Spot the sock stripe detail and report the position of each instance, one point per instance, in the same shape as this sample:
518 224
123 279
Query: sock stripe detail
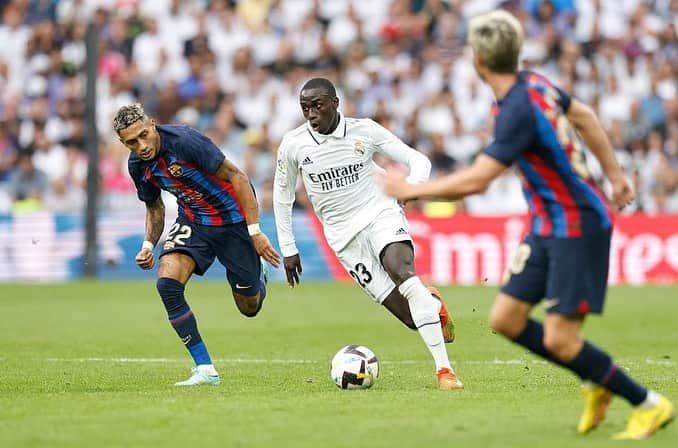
187 315
610 373
429 323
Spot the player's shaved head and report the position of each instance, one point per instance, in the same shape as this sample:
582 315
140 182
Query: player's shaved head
321 84
319 102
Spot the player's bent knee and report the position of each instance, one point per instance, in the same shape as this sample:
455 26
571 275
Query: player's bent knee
557 344
500 321
247 305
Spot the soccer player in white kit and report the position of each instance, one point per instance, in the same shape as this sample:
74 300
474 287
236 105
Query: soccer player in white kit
366 229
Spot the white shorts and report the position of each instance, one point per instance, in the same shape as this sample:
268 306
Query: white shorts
360 256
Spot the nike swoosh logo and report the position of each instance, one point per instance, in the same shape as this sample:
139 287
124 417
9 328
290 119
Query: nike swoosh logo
238 286
550 303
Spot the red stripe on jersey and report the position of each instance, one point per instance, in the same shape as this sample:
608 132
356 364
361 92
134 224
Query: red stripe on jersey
227 186
563 197
603 199
148 175
230 190
210 210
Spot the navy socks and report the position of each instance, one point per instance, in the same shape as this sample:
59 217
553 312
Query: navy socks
590 364
595 365
182 319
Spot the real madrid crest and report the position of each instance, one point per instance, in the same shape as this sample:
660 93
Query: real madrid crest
359 148
175 170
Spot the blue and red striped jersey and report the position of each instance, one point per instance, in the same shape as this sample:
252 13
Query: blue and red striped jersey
532 130
186 166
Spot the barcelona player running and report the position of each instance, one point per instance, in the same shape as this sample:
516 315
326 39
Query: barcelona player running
218 217
564 258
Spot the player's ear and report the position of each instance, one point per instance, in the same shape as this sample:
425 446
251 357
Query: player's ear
335 102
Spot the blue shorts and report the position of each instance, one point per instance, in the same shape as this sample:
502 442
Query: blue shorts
570 274
230 244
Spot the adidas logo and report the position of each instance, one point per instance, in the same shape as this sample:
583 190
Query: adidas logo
307 161
401 231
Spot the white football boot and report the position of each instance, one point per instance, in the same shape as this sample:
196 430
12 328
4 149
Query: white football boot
202 374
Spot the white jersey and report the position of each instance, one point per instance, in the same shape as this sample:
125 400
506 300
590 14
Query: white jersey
338 173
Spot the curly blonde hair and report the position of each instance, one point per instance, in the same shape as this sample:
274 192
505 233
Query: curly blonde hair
127 116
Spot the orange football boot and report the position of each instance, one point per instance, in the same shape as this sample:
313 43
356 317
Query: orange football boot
447 380
446 321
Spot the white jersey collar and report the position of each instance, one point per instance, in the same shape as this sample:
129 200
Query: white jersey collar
339 132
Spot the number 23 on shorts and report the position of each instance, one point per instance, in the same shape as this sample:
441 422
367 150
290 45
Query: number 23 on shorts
361 275
519 261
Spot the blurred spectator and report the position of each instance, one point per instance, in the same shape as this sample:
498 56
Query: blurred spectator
27 185
233 69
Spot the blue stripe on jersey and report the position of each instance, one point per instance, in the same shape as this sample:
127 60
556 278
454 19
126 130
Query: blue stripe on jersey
564 167
204 181
555 209
537 221
200 215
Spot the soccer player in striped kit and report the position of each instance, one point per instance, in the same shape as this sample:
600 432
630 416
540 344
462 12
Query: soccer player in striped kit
564 259
218 218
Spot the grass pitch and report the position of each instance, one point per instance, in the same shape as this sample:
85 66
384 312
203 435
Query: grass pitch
93 365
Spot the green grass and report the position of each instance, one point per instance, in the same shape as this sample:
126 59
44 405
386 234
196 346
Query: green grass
63 384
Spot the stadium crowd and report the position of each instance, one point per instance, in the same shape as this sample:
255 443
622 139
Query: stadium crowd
233 69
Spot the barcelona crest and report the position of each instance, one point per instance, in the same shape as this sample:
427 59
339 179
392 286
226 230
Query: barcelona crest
175 170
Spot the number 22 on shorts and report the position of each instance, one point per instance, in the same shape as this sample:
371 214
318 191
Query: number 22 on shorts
177 234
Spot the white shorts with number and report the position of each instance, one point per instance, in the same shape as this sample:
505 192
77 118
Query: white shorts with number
360 257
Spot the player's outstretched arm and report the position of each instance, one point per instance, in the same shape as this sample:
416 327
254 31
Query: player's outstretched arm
155 224
585 121
388 144
284 186
241 184
468 181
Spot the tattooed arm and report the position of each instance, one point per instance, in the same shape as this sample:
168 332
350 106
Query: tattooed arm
155 220
155 224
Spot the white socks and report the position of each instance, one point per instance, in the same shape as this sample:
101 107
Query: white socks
651 400
208 369
425 311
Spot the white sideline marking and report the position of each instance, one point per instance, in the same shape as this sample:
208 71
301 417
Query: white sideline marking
495 361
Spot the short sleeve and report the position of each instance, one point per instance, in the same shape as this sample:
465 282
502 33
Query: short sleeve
563 99
199 150
514 132
146 191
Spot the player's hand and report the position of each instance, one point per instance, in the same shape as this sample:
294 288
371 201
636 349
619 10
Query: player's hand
292 269
264 248
622 191
145 259
396 186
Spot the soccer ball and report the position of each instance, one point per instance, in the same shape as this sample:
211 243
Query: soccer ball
354 367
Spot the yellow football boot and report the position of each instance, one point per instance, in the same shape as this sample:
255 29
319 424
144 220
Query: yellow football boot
645 422
596 399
